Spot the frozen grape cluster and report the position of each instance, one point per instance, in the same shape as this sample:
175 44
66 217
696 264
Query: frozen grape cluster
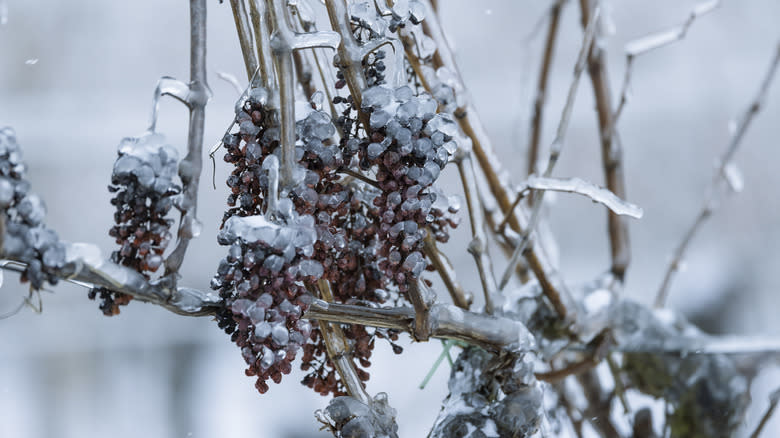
408 147
342 215
262 282
143 183
26 238
257 137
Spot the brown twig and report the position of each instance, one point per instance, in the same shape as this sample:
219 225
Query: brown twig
541 89
261 26
244 36
601 346
611 152
339 352
446 272
422 299
773 400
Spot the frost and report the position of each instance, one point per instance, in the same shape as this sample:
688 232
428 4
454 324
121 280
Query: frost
150 160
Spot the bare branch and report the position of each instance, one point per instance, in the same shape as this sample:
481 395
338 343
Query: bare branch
718 179
651 42
541 89
87 267
578 186
244 36
338 350
192 164
446 272
348 51
422 299
556 148
260 25
773 400
465 115
611 152
478 245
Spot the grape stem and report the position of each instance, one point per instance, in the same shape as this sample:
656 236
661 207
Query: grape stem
260 25
338 350
244 36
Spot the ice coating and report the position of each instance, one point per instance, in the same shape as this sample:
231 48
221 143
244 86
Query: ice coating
149 159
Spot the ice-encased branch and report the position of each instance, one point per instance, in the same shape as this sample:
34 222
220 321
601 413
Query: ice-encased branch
338 350
581 187
192 164
85 264
478 247
720 175
446 321
651 42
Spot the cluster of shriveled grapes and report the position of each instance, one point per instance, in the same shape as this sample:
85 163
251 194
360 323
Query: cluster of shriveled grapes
144 191
261 281
257 137
407 151
346 221
25 237
369 233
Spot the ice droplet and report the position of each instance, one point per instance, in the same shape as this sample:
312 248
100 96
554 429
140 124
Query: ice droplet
3 13
733 177
31 61
262 330
318 98
279 334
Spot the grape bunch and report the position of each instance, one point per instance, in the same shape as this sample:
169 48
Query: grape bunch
144 193
407 149
257 138
26 238
261 281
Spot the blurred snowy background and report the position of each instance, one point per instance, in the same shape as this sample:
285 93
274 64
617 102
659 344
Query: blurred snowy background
77 76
